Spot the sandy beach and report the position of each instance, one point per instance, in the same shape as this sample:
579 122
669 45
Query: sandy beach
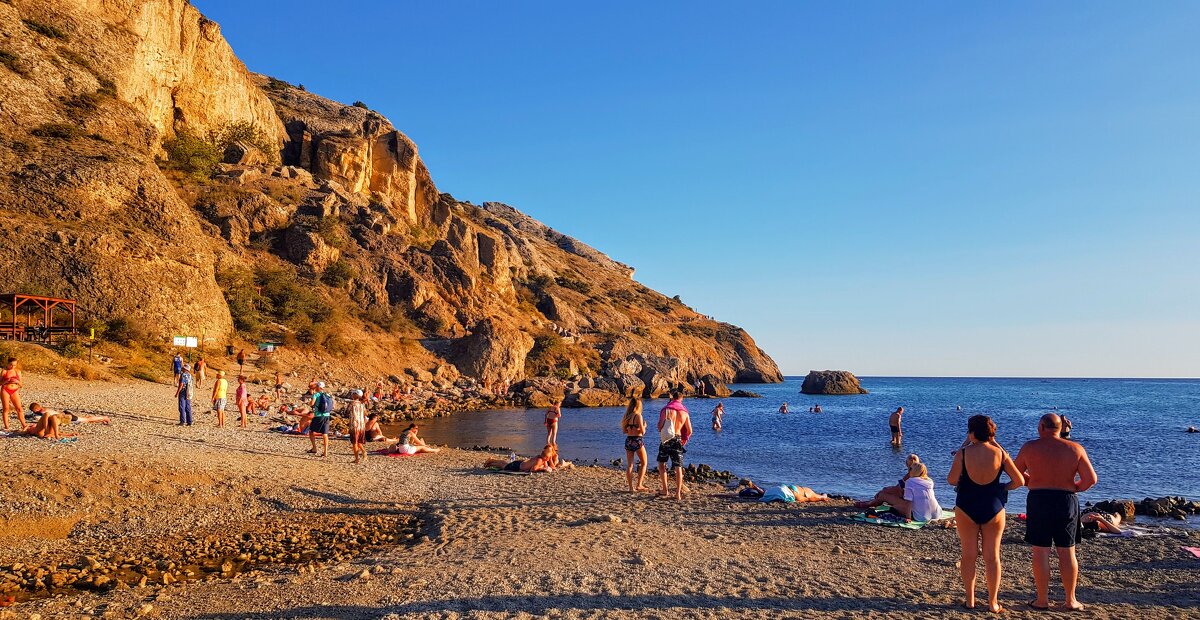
434 536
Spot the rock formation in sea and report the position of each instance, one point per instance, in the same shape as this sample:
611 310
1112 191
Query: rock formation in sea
151 176
835 382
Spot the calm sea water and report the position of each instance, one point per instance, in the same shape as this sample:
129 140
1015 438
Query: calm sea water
1132 428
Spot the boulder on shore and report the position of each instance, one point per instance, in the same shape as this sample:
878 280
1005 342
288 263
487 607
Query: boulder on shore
834 382
745 394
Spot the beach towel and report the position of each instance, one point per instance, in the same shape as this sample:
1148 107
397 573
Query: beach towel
1136 531
385 452
890 519
497 470
1192 550
779 494
68 440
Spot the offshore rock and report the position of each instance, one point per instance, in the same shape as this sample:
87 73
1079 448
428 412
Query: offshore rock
834 382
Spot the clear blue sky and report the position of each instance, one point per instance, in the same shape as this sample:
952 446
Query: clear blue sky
934 188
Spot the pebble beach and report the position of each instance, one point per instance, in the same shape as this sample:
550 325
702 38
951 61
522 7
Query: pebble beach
141 518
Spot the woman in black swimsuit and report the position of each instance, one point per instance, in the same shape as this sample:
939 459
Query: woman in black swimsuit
979 507
634 427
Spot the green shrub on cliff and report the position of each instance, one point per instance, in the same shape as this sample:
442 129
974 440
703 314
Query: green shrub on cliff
193 154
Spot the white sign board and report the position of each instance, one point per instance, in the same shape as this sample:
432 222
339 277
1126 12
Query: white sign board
192 343
178 341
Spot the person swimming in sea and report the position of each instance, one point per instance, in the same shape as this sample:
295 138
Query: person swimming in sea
783 408
817 409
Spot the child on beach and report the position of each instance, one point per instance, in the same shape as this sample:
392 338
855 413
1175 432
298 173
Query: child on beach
220 389
552 416
358 425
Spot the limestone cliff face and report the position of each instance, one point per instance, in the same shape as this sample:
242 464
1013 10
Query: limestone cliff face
89 89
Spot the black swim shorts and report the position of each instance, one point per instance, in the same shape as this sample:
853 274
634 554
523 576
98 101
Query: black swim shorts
513 466
673 451
633 444
895 430
319 425
1052 517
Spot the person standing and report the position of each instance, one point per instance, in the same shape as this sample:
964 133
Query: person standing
718 412
553 414
220 390
979 506
674 430
177 367
634 427
358 424
322 406
201 371
894 424
183 393
10 392
1056 469
242 397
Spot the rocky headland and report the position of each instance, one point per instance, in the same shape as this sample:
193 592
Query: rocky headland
149 175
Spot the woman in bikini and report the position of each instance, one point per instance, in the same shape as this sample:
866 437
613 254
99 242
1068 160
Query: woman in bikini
979 507
634 427
10 396
375 431
552 416
540 462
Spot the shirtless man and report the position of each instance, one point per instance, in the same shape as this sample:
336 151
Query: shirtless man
894 423
674 430
1055 470
47 426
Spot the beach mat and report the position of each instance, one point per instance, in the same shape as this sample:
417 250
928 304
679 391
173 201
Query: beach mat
496 470
1137 531
898 521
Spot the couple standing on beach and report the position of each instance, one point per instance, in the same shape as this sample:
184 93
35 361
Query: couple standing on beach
1055 470
674 431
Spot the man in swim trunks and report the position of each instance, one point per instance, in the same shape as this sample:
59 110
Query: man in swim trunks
1055 470
674 430
894 423
177 366
322 408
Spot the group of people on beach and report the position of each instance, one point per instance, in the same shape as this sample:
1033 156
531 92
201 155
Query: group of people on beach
46 421
1054 468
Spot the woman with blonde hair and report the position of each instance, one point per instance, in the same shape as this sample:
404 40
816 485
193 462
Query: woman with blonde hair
896 490
918 493
634 427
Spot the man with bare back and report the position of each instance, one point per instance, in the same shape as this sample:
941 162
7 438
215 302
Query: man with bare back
1055 470
674 430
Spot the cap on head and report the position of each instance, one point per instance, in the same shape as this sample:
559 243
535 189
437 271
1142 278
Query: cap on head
320 385
357 393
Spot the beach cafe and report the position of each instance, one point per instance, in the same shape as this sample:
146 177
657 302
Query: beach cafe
36 318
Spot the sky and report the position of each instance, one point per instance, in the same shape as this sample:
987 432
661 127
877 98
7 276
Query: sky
913 189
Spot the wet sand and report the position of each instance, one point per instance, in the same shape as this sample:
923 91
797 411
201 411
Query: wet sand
569 544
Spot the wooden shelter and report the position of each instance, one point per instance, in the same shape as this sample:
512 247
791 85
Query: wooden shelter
32 317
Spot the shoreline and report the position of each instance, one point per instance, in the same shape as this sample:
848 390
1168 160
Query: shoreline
569 543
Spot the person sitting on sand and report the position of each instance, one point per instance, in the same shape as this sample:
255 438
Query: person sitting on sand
918 492
304 417
411 444
535 464
375 431
557 462
46 427
892 491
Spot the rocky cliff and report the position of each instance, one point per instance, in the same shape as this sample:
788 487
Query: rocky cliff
149 175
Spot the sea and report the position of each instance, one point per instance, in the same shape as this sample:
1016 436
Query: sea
1133 430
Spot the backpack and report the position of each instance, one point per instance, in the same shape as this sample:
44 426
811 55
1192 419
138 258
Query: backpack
324 403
